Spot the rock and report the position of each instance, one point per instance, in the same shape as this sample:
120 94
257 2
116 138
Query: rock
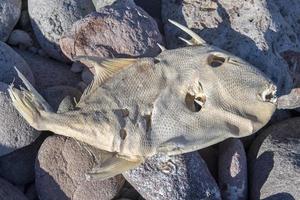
173 177
10 11
61 167
120 30
18 166
87 76
233 181
50 19
10 59
274 159
15 132
77 67
20 37
10 192
54 95
49 72
253 30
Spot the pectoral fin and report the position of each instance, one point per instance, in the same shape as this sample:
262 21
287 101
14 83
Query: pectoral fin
111 167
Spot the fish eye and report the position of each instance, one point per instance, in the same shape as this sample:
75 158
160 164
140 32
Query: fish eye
215 60
269 94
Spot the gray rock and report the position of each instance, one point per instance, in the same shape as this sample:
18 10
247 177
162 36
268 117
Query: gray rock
54 95
253 30
61 167
10 59
10 11
233 181
87 76
120 30
20 37
50 19
49 72
15 132
174 177
10 192
77 67
274 159
18 166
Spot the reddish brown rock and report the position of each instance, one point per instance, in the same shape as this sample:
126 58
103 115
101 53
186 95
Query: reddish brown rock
120 30
61 167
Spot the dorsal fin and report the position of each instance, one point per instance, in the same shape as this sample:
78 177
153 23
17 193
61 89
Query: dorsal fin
104 69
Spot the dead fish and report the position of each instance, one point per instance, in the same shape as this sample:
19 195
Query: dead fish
180 101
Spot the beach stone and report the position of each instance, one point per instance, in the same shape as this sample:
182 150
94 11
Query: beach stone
10 192
15 132
87 76
120 30
55 95
10 11
49 72
233 181
50 19
77 67
10 59
61 166
253 30
173 177
18 166
20 37
274 159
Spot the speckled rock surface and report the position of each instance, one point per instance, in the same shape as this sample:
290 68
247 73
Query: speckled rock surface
10 192
10 11
120 30
50 19
179 177
60 172
254 30
233 180
18 166
15 133
8 60
54 95
274 159
48 72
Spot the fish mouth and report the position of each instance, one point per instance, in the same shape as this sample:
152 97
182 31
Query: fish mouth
269 94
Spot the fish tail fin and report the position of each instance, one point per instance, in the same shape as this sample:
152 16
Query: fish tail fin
29 103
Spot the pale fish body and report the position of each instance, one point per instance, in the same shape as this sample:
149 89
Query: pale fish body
180 101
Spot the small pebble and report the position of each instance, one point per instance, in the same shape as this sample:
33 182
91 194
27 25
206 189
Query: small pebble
20 37
77 67
87 76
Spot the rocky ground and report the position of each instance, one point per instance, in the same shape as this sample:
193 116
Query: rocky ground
42 38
